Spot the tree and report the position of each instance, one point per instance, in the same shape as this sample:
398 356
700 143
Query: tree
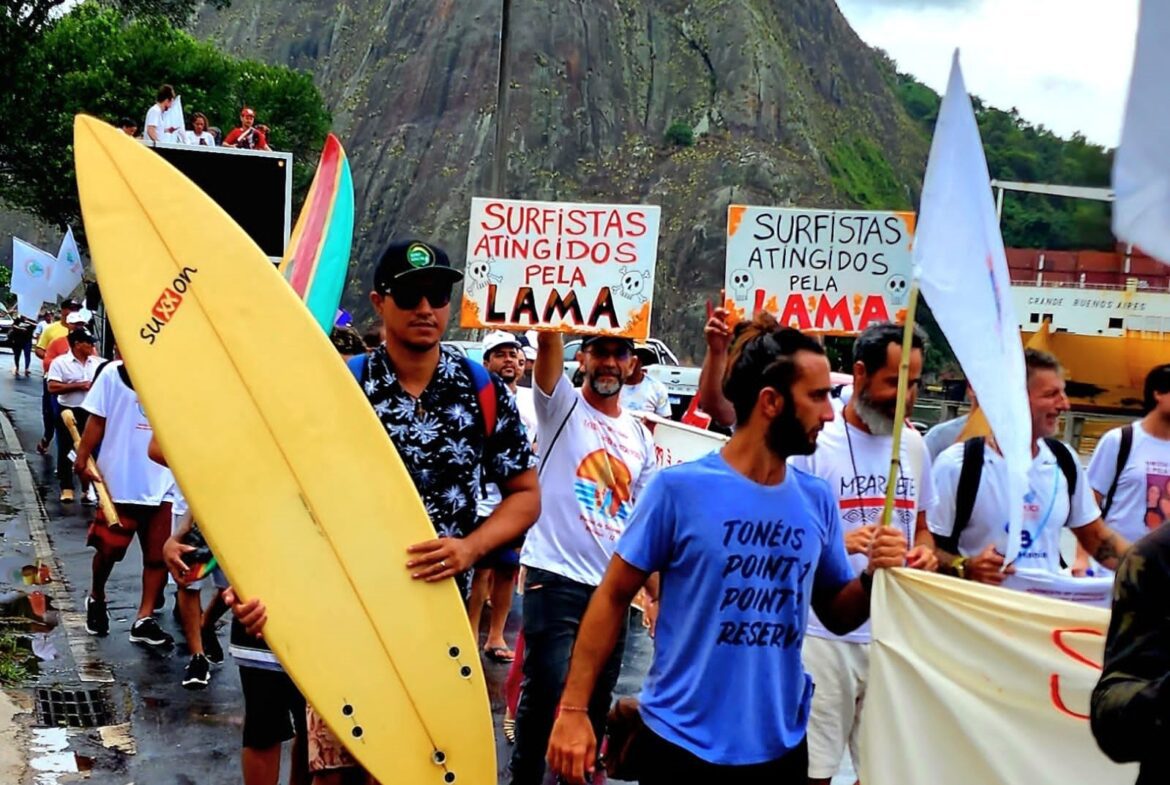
98 61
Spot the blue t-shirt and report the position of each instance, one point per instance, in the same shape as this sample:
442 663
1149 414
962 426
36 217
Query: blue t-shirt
738 563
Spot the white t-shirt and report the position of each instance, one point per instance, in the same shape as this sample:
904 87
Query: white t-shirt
591 477
648 395
1142 500
67 369
154 116
861 492
490 496
131 477
206 138
1046 506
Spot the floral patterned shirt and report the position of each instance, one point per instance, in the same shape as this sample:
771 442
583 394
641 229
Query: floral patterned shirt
441 437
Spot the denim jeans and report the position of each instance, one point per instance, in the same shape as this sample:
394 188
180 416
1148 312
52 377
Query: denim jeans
553 609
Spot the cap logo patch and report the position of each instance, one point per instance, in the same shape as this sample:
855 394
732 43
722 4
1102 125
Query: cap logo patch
419 255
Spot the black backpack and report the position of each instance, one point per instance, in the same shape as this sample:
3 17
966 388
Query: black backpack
972 473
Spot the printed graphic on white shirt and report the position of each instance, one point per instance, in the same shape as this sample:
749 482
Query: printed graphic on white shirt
856 465
1141 502
1047 506
591 475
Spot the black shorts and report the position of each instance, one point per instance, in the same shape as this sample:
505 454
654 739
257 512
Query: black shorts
274 709
506 557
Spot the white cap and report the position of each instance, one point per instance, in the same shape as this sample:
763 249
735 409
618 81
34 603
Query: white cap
530 353
79 317
498 338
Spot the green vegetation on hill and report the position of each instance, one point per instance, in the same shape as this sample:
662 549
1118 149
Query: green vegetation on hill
1019 150
96 60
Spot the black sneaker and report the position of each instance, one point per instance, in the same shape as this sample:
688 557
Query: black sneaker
211 646
97 618
148 633
197 674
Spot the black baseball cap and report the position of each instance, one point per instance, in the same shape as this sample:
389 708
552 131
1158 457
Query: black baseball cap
81 336
592 339
404 259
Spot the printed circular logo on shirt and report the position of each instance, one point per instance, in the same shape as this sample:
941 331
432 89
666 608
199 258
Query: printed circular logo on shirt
419 255
603 484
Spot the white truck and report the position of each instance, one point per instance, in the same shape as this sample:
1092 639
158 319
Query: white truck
682 383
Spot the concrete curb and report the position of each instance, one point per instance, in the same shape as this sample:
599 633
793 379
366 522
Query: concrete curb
86 656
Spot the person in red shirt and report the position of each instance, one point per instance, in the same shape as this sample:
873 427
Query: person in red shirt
248 136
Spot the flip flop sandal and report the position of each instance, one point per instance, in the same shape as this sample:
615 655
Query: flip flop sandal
499 654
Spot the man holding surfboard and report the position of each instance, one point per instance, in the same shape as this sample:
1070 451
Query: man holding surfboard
744 545
451 422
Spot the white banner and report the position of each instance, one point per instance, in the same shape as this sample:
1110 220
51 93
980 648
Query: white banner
971 684
1141 166
962 270
675 443
829 271
579 268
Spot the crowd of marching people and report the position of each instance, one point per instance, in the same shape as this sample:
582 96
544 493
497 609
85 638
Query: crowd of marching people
755 563
161 125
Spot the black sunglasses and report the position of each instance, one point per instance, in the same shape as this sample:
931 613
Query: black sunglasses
409 296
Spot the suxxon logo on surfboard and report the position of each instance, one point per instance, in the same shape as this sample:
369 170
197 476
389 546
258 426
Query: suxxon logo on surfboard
167 305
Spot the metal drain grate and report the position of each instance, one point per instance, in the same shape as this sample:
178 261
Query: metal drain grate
80 707
11 456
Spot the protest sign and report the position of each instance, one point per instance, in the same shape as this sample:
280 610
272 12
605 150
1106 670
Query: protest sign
826 271
676 442
579 268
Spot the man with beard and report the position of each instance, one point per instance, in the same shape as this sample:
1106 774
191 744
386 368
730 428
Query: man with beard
970 522
744 544
595 459
853 456
495 572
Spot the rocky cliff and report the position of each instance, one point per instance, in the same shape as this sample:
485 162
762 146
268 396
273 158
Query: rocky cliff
787 106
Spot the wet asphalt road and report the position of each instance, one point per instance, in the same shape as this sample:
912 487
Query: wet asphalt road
182 737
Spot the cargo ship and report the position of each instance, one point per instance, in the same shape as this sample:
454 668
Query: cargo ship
1105 315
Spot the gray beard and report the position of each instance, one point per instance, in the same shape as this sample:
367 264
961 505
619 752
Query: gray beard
606 389
874 419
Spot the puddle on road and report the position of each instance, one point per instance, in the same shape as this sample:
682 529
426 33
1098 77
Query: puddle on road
50 757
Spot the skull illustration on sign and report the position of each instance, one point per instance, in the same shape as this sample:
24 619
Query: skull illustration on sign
741 284
479 275
897 289
633 282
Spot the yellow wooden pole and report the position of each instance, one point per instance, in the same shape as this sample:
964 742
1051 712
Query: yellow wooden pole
900 408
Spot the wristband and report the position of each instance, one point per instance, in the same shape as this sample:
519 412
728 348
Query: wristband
959 565
581 709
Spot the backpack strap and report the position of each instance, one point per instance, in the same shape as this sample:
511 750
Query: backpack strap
485 391
359 366
1123 452
1067 463
969 478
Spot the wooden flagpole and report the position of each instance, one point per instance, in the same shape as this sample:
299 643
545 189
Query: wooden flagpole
900 408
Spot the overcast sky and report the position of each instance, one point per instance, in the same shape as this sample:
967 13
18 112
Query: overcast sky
1063 63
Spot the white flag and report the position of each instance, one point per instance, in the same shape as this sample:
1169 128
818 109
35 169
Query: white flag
1141 165
962 270
32 271
173 118
68 269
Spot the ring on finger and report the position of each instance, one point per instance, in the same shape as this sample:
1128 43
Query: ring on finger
443 564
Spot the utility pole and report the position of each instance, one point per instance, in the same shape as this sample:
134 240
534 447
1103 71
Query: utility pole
499 156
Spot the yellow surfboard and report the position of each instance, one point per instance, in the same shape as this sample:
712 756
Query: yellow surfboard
291 475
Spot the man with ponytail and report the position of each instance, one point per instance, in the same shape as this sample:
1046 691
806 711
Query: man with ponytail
744 545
